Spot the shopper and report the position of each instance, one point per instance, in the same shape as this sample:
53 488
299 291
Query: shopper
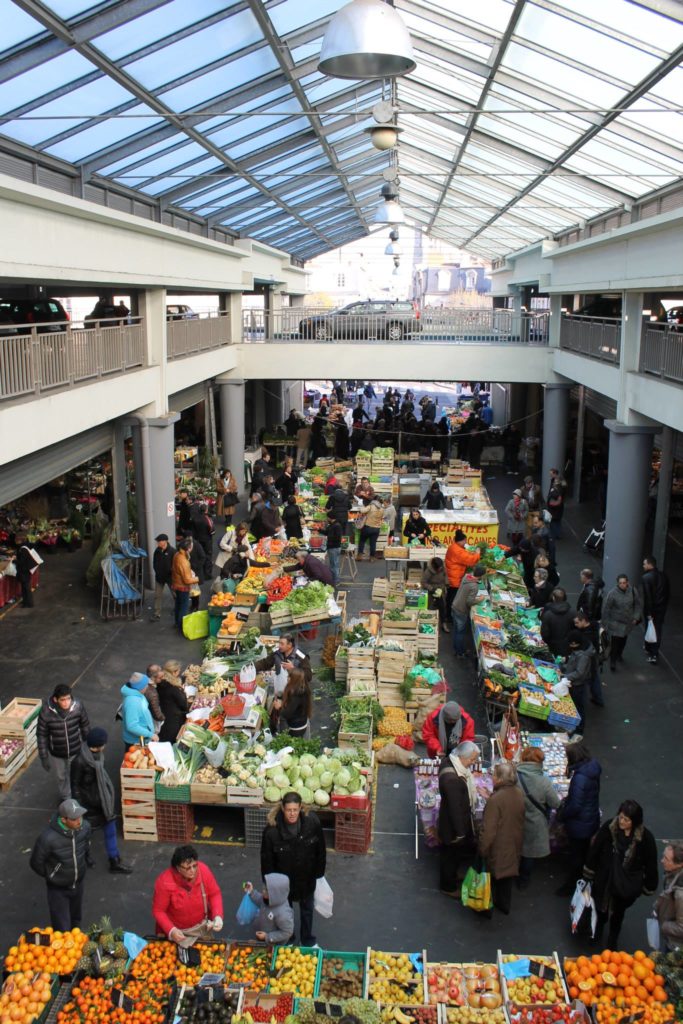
162 564
154 673
445 728
185 508
338 503
434 582
275 920
469 593
590 597
93 789
25 565
458 561
578 669
532 494
293 518
591 632
172 701
580 811
182 581
621 864
456 816
138 723
555 505
200 564
416 527
286 482
60 856
668 907
389 515
516 511
370 530
502 834
227 495
294 709
655 585
556 623
187 904
512 442
621 611
540 798
293 844
287 656
62 726
334 532
541 591
303 444
544 561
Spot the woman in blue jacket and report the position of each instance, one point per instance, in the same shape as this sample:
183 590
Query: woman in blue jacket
137 718
580 812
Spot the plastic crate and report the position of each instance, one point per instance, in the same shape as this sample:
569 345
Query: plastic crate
314 952
175 822
255 820
172 794
352 962
353 831
566 722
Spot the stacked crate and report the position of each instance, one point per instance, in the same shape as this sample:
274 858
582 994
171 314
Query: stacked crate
138 804
19 721
391 669
353 831
341 599
380 589
404 628
383 465
428 642
361 679
363 466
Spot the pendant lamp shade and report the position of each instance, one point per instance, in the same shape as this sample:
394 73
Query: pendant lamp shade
390 212
367 39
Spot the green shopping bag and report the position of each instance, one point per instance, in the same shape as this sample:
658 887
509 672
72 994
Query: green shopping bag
476 887
196 625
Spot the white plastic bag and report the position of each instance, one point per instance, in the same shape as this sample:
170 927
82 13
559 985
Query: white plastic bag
11 569
217 756
248 673
581 902
561 689
323 900
650 633
653 937
280 679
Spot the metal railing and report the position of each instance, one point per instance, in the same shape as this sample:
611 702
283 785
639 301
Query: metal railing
661 351
189 336
40 357
595 337
474 326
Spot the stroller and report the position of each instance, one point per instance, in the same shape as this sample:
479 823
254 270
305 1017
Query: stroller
596 538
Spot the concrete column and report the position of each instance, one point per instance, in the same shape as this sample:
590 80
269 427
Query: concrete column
152 308
555 419
297 301
259 412
273 304
293 395
118 473
630 457
631 330
499 404
155 480
233 304
232 427
555 321
664 495
274 402
578 451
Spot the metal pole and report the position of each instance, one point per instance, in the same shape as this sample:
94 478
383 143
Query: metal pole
578 453
664 495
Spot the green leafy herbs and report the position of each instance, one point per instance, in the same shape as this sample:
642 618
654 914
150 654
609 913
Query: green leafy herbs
299 746
363 707
304 599
359 636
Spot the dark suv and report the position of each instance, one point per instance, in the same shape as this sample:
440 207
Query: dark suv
49 313
377 319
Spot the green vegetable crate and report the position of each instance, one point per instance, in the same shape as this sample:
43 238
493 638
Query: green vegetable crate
351 962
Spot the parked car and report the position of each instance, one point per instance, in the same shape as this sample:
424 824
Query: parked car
374 319
105 313
674 318
177 311
602 306
49 313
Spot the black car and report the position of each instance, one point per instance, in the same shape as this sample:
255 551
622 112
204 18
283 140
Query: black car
48 313
178 311
105 314
606 307
674 318
362 320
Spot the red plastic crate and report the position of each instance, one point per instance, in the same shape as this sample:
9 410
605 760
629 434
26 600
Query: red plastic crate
353 831
175 822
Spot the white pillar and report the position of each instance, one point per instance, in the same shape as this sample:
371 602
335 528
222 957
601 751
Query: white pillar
555 321
232 427
630 457
578 451
155 480
152 308
499 404
555 419
118 474
629 356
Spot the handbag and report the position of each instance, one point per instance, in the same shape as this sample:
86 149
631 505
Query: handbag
545 811
476 887
11 569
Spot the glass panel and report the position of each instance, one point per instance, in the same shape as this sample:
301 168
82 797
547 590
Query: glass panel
17 26
156 25
306 50
142 154
493 14
526 130
70 8
647 26
53 74
564 78
223 79
99 136
269 138
294 14
447 36
670 87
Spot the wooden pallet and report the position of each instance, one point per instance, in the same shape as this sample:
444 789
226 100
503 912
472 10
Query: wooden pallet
244 796
208 793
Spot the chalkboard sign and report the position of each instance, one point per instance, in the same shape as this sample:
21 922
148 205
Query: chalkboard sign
38 939
210 994
209 979
542 970
120 999
191 957
328 1009
223 772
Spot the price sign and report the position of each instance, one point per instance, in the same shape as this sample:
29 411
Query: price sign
542 970
191 957
210 994
121 1000
38 939
328 1009
209 979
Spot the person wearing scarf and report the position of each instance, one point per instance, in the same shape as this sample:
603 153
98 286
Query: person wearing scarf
456 829
445 728
93 788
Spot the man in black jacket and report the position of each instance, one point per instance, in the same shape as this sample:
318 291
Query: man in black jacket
60 856
184 512
293 844
25 565
655 585
287 656
556 622
590 598
62 726
338 502
162 563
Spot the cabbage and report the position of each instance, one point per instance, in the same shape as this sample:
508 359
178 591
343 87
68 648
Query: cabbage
232 780
321 797
253 782
286 761
305 770
342 777
326 780
272 794
334 764
306 795
323 761
281 781
307 759
273 771
341 790
294 773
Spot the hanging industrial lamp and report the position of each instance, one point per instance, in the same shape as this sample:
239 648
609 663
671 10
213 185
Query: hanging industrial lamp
390 211
366 39
393 249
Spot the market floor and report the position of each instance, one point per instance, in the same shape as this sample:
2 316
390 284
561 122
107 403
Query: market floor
388 899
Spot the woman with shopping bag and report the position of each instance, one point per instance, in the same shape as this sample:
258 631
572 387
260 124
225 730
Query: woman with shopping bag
502 835
456 826
187 903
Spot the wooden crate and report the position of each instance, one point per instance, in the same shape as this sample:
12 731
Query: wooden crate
136 782
414 575
380 589
395 599
341 666
208 793
342 600
312 615
11 767
402 628
358 688
138 804
20 716
280 615
389 696
348 740
397 579
244 796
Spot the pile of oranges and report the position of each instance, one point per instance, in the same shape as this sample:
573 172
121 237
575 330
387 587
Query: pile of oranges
249 965
159 961
60 957
619 984
212 962
24 996
90 1003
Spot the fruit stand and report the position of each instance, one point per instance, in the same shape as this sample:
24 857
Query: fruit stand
109 974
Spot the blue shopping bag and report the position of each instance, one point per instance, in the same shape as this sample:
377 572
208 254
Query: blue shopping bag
247 912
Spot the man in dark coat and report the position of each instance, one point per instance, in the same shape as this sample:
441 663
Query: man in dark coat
94 790
580 811
456 827
287 656
293 844
184 512
60 856
557 621
62 726
314 568
655 584
25 564
338 502
162 563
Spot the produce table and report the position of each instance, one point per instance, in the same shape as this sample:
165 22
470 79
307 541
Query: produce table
479 526
10 588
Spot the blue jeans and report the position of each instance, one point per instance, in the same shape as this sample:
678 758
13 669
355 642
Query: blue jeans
459 632
334 558
110 844
182 607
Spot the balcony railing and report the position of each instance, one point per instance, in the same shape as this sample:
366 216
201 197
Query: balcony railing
186 337
464 326
595 337
35 358
661 351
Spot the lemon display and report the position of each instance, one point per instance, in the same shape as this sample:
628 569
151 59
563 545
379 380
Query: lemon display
298 972
393 979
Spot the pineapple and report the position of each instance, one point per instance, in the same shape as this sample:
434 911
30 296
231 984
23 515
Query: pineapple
120 952
118 967
89 948
84 964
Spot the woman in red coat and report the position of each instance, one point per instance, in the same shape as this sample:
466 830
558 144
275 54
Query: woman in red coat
187 902
445 728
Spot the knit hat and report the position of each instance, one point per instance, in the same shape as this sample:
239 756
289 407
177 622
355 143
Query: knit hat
97 737
517 492
459 535
138 681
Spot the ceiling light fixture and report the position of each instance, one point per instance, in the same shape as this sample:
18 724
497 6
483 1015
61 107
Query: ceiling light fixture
366 39
383 134
390 211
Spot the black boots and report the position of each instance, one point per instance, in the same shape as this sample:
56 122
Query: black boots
116 867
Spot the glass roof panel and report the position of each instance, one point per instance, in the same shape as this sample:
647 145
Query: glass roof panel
493 14
143 154
53 74
294 14
642 24
102 134
564 79
17 26
220 80
269 138
158 24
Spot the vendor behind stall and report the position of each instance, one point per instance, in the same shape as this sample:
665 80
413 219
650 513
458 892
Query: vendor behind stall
187 903
435 500
314 568
445 728
416 527
287 656
365 491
